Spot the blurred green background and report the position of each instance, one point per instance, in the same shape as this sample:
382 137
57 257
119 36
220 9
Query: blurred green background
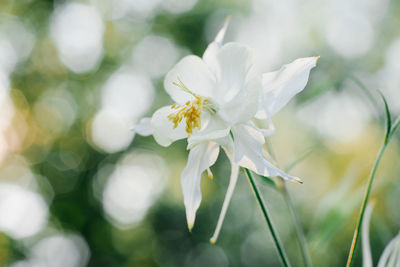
78 188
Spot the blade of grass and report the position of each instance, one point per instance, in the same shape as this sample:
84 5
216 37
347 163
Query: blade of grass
395 126
289 202
279 247
388 118
389 133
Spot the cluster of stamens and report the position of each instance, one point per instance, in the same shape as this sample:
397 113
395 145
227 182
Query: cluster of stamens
191 110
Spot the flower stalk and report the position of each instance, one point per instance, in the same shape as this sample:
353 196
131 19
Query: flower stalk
297 224
279 247
390 129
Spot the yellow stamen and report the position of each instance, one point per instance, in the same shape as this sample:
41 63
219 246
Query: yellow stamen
210 174
191 110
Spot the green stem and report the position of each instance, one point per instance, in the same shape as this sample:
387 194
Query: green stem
363 206
390 130
264 210
298 228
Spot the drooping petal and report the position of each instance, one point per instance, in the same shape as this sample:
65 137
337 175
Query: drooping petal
213 128
282 85
366 248
200 158
209 55
248 142
143 127
227 200
194 75
244 105
234 62
163 129
391 254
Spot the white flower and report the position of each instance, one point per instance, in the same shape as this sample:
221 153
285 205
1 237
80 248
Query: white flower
216 97
390 256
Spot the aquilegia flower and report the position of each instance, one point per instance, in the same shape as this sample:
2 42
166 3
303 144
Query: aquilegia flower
216 97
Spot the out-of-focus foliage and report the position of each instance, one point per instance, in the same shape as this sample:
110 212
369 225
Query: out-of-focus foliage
78 188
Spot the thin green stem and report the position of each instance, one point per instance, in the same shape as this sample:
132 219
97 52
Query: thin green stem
264 210
298 228
363 206
389 133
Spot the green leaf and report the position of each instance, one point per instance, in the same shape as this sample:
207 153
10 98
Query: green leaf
388 135
395 126
388 119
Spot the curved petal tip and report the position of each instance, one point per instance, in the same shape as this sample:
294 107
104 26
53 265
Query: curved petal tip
190 226
297 180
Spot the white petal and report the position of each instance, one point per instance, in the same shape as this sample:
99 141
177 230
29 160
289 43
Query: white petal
282 85
227 144
210 55
366 249
214 128
221 34
267 132
143 127
194 74
234 62
390 256
200 158
163 130
248 143
244 105
227 200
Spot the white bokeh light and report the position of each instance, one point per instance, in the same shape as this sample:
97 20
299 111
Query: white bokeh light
8 55
62 250
388 77
271 37
110 131
133 187
155 49
77 31
338 116
22 213
7 111
135 9
178 6
16 43
20 36
349 34
128 92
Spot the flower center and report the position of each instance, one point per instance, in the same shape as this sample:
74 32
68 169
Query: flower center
191 110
